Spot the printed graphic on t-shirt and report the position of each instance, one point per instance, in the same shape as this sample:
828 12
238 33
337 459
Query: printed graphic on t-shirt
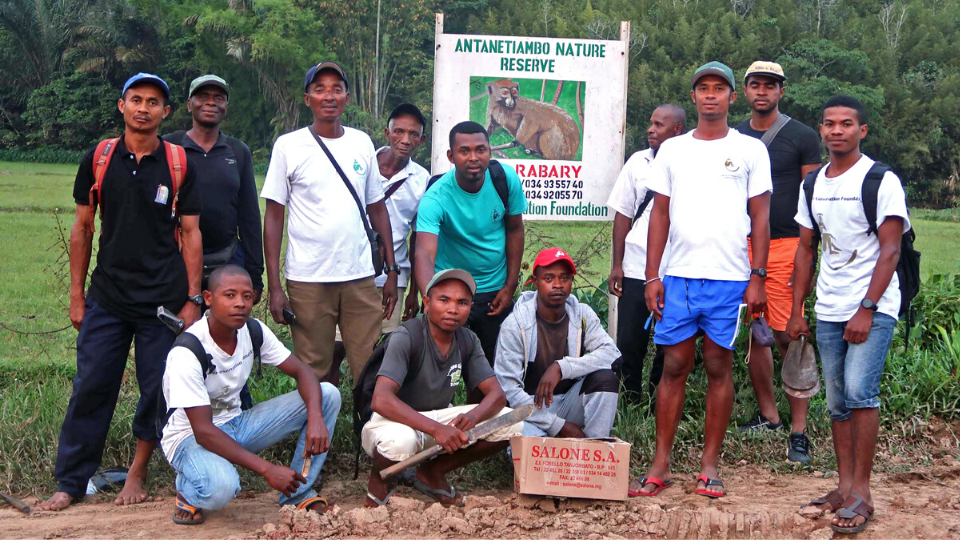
496 215
454 375
830 245
357 166
731 166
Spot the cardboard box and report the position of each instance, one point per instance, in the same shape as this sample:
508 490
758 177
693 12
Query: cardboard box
584 468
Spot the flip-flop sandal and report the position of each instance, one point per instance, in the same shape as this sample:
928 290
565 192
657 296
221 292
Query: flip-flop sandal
192 510
307 504
857 508
834 499
706 491
660 485
385 499
435 494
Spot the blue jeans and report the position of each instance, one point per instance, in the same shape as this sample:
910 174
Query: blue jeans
851 371
209 481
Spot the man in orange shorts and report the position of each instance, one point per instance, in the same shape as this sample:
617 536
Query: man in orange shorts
794 151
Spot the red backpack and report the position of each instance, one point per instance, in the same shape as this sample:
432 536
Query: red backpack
176 162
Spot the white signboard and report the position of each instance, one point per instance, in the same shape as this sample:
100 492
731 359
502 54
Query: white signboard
555 110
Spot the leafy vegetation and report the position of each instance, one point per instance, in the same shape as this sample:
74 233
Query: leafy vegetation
72 56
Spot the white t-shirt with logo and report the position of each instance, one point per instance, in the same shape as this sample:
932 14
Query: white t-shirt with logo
402 207
184 385
628 193
326 239
849 256
709 184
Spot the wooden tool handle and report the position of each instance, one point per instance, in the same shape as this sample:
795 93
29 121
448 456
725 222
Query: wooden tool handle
411 461
305 470
16 503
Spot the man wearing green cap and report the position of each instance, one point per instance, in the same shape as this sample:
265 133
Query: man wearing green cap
230 223
708 278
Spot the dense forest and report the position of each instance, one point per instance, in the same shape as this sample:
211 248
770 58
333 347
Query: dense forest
64 62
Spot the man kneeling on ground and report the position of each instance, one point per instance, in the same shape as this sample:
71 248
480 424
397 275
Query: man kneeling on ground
554 352
207 434
412 398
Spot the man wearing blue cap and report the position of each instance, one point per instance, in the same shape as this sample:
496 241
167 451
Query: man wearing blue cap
149 255
708 206
326 179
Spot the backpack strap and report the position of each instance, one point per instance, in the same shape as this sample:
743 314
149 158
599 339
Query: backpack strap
499 177
870 194
771 134
643 204
808 184
192 344
256 338
101 163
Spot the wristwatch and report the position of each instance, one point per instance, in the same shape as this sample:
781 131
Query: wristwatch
196 299
394 268
762 272
867 303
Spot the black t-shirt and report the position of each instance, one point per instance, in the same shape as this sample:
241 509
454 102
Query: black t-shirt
230 208
551 346
139 265
434 385
794 146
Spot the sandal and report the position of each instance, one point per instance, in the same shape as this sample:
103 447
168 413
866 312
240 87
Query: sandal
307 504
385 499
660 486
192 510
435 494
706 491
834 499
857 508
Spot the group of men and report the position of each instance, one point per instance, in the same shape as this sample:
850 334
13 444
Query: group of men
710 230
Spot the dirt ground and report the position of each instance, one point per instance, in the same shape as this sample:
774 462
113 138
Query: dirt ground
919 504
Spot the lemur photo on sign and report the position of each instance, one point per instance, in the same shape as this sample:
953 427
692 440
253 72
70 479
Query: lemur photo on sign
555 110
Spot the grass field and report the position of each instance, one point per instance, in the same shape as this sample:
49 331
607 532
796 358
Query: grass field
36 370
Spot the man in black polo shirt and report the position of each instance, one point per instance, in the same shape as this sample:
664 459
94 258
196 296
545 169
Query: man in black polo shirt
230 222
139 267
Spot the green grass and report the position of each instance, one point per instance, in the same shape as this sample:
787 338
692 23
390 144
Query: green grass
36 370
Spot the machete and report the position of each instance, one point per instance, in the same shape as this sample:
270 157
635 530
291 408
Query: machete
480 431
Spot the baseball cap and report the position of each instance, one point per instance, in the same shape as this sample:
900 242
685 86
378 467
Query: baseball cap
714 68
551 255
408 109
146 78
327 64
208 80
769 69
452 273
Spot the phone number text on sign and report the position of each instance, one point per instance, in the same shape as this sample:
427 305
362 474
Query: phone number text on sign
551 194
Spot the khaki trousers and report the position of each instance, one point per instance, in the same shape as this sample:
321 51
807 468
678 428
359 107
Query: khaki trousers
319 307
397 442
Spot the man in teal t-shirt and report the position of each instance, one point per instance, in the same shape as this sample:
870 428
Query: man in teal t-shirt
462 223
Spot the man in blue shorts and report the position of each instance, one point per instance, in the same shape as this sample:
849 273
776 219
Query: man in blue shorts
703 205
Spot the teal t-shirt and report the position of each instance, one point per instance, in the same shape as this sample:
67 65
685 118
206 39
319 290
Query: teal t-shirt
469 226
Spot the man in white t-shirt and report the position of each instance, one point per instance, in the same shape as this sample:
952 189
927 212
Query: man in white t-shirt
329 271
712 190
206 433
633 202
404 182
858 299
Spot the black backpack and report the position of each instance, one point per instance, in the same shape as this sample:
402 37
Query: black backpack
499 177
908 267
192 344
367 382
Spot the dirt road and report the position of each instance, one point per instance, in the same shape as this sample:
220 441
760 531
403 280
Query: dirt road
919 504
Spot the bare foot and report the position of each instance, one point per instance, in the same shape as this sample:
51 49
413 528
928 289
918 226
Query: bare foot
58 501
133 492
439 481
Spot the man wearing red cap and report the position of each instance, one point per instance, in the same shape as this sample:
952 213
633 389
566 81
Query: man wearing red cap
552 351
